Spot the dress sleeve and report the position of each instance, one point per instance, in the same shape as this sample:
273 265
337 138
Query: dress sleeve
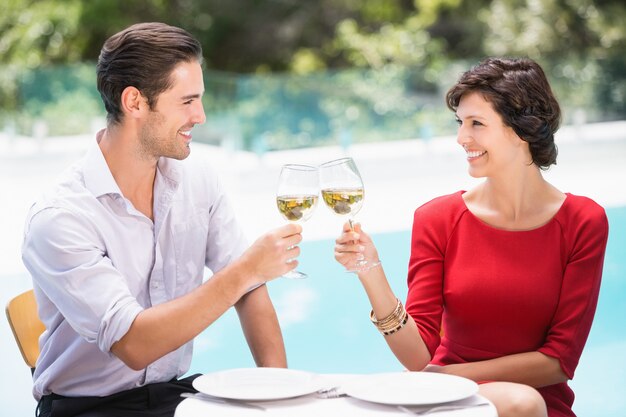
67 261
580 288
431 225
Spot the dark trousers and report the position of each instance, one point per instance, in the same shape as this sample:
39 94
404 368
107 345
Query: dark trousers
158 399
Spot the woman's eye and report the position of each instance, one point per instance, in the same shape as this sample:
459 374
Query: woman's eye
476 123
458 121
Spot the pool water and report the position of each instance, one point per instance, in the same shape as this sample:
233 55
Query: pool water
326 326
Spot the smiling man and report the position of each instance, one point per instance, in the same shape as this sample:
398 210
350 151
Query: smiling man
118 247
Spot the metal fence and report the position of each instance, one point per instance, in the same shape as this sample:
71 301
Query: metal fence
281 111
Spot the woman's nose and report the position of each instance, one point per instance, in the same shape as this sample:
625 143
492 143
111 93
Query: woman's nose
462 136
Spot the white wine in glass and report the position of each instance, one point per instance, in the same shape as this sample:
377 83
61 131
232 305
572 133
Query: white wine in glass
343 200
343 191
296 197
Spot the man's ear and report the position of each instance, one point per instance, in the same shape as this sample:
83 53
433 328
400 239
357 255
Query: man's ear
133 102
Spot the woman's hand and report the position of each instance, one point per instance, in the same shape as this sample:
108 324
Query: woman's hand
353 246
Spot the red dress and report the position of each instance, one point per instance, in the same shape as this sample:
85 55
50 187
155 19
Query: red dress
500 292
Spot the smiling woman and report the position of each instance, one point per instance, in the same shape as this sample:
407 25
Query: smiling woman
517 320
490 144
519 92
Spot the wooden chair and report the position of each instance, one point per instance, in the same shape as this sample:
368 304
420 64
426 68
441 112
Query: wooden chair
26 326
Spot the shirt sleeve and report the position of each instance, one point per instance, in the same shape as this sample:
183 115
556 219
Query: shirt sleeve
226 240
67 259
580 288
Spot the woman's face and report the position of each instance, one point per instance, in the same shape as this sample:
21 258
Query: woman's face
491 146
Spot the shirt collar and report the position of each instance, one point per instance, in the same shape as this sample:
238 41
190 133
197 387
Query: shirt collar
98 178
169 169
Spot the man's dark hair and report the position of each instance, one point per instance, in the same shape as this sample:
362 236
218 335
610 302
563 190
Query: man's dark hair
142 56
519 91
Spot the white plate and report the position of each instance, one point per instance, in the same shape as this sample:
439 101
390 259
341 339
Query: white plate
410 388
258 384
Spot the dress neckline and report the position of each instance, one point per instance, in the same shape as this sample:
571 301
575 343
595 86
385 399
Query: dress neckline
499 229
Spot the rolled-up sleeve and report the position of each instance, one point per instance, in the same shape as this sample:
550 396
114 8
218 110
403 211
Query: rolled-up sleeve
67 259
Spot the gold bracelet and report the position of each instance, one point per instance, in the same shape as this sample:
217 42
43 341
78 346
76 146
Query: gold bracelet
394 314
390 320
393 322
394 327
401 325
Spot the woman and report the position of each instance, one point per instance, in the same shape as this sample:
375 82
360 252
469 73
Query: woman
504 278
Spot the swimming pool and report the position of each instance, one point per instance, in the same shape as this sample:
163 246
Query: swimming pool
326 325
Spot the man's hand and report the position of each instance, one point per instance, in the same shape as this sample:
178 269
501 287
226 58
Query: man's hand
273 254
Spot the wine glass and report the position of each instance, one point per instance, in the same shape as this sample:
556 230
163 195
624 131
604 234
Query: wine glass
296 197
343 192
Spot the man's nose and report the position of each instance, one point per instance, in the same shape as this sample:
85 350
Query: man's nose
199 116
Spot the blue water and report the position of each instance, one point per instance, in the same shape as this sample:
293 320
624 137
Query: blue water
327 329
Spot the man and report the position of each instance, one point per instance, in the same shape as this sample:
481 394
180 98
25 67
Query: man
118 247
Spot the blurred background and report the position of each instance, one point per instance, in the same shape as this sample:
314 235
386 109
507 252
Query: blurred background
308 81
286 74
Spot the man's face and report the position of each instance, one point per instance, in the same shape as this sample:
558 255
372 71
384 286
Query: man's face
167 129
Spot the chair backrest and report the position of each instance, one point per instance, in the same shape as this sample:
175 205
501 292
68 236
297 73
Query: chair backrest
26 326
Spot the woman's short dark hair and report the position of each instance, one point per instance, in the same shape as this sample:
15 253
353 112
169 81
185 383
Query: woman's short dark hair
519 91
142 56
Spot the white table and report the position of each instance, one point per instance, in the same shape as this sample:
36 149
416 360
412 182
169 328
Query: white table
314 406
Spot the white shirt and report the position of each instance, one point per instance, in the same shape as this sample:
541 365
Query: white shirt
97 262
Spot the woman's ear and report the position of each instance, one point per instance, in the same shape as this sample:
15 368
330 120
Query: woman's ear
133 103
514 138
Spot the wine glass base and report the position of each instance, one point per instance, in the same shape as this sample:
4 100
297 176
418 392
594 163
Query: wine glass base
295 275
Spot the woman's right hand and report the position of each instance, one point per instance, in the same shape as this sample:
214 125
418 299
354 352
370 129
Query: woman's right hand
354 245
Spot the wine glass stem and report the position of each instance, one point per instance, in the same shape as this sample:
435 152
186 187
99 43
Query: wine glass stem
361 262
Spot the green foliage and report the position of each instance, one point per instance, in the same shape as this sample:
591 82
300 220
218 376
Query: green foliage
551 28
326 71
611 86
581 43
40 33
34 35
267 112
63 97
